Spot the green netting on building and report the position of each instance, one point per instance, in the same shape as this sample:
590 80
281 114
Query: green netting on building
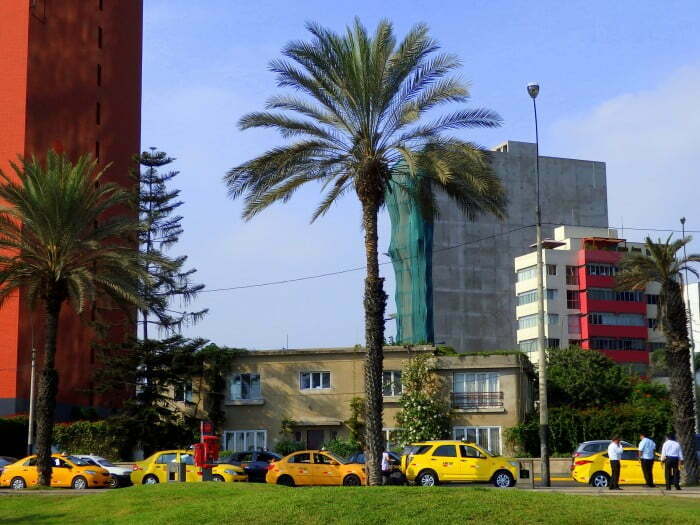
411 250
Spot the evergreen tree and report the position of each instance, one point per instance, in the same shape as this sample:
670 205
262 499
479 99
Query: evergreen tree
157 205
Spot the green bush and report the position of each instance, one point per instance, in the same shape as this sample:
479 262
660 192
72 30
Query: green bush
13 436
342 447
287 446
87 437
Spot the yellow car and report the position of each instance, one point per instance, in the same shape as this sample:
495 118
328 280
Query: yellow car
595 469
432 462
315 467
67 471
168 465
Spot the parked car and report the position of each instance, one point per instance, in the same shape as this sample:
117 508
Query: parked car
253 462
595 469
395 478
315 467
430 463
68 471
6 460
156 469
588 448
118 476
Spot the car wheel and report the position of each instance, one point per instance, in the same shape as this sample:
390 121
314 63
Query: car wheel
18 483
600 480
503 479
150 480
427 478
79 483
287 481
217 477
113 482
351 480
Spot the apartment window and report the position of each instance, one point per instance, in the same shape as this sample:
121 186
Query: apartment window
574 324
486 437
606 270
98 113
314 380
571 275
183 393
616 319
574 342
608 294
636 250
603 343
392 383
527 297
530 321
655 346
528 346
527 273
552 319
652 299
100 4
551 269
652 324
476 390
244 386
99 37
97 150
553 343
99 74
245 440
573 301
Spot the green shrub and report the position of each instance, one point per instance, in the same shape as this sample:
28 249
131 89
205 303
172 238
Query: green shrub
287 446
342 447
13 436
87 437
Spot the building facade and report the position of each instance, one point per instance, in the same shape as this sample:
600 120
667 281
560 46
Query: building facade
71 82
454 278
583 306
306 395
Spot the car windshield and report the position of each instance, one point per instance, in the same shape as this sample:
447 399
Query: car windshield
78 461
105 463
415 449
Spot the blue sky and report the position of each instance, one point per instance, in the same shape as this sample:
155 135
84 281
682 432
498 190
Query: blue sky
620 83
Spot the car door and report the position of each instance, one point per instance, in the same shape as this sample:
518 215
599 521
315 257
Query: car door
299 467
325 470
630 467
61 475
445 462
191 470
473 464
160 466
29 472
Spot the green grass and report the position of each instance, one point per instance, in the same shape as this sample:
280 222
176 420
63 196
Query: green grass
204 503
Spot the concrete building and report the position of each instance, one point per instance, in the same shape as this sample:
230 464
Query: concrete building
693 298
454 278
582 306
71 81
313 389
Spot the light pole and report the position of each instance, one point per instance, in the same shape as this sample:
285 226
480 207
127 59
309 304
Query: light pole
691 336
533 90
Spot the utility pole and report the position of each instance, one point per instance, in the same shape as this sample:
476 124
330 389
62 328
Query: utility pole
533 90
691 336
30 432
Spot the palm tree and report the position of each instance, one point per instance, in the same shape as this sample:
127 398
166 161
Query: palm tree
63 238
358 123
665 267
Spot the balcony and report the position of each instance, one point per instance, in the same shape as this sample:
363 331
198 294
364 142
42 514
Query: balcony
478 401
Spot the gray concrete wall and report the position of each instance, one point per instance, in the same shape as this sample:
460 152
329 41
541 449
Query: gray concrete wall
474 285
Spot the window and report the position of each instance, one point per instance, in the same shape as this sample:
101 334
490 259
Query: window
99 37
476 390
245 440
300 458
314 380
244 386
608 294
616 319
98 114
392 383
528 345
573 300
655 346
526 273
552 319
486 437
101 5
652 324
164 459
551 269
575 342
574 322
446 451
183 392
605 270
530 321
571 275
551 294
602 343
630 454
531 296
187 459
99 74
97 150
552 343
469 452
652 299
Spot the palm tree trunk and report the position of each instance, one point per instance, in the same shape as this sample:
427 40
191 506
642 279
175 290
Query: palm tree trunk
374 304
678 358
48 388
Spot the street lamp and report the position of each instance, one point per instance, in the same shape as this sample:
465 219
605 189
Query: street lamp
533 90
691 335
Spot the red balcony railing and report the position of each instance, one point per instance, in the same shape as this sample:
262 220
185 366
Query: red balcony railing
469 400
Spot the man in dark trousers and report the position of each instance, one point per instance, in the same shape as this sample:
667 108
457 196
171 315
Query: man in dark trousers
646 456
614 455
672 456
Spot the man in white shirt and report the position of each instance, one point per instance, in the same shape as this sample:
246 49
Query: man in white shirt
614 455
646 457
672 456
386 467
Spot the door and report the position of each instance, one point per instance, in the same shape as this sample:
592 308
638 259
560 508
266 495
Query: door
325 470
299 467
445 462
191 470
160 466
61 475
314 439
473 465
631 467
29 472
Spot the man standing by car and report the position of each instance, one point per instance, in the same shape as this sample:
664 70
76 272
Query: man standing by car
386 467
672 457
614 455
646 456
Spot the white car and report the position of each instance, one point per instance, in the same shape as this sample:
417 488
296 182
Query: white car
118 476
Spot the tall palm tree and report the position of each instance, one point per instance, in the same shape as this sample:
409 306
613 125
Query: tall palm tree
665 267
357 119
63 238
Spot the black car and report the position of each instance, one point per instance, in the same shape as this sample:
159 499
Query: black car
395 478
254 462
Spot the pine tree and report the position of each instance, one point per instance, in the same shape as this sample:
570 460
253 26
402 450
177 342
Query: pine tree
157 205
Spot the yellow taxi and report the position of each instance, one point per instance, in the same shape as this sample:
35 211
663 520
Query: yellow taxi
67 471
171 465
315 467
595 469
432 462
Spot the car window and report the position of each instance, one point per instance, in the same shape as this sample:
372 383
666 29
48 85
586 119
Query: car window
79 461
187 459
322 459
446 451
4 461
630 454
105 463
416 450
59 463
266 456
592 448
300 458
166 458
469 452
245 456
31 462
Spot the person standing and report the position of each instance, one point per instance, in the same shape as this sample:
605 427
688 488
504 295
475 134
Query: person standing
614 455
672 457
386 467
646 456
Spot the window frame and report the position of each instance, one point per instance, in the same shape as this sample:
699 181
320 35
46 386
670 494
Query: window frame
393 382
251 375
311 373
229 437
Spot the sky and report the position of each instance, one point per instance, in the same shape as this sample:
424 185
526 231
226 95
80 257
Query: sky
619 83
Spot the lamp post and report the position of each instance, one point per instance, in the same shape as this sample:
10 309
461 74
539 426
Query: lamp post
691 336
533 90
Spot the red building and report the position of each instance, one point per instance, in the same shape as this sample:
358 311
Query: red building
71 80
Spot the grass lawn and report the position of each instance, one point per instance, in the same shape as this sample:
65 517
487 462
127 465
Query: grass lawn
203 503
